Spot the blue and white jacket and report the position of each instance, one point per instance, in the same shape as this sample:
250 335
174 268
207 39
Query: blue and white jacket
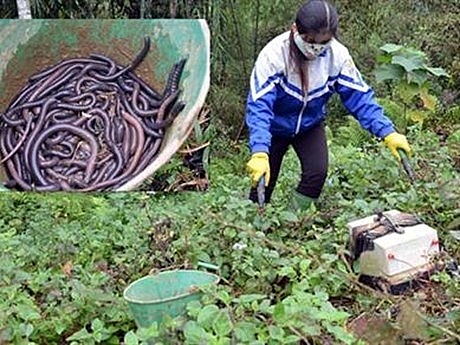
276 104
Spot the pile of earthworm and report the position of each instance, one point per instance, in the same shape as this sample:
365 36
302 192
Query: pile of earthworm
86 124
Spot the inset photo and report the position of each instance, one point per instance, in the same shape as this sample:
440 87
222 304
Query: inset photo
101 105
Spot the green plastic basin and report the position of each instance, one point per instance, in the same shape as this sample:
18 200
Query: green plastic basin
151 298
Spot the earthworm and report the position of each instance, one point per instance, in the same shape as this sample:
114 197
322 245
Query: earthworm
38 127
111 63
109 140
20 142
142 54
161 122
174 77
48 163
152 93
139 142
135 107
56 128
86 124
48 71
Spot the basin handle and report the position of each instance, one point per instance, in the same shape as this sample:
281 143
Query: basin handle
208 266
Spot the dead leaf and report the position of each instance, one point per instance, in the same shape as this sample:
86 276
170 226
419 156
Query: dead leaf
375 330
429 101
67 268
412 324
417 115
192 289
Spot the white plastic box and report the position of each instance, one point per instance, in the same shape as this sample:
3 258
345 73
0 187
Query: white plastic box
398 257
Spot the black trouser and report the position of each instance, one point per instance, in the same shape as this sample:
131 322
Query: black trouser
311 148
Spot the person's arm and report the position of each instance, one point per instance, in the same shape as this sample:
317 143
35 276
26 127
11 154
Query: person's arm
358 98
259 114
260 101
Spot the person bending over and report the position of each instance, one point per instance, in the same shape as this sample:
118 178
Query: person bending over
293 78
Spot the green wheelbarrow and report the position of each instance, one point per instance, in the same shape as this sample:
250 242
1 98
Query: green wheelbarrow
165 294
29 46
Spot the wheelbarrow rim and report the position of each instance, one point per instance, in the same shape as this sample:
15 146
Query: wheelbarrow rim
168 299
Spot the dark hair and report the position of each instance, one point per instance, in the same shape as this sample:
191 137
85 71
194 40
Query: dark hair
315 16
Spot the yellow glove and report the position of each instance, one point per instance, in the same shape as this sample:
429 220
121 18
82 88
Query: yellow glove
396 141
258 166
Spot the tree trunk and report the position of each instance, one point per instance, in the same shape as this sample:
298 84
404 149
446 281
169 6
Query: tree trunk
173 8
142 9
24 9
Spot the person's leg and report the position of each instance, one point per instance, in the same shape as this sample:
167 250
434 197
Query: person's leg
311 148
278 148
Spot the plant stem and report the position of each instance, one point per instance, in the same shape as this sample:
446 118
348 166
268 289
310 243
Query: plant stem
299 334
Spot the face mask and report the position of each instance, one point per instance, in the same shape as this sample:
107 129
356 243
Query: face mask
310 50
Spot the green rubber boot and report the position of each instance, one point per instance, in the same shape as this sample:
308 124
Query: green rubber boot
300 202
